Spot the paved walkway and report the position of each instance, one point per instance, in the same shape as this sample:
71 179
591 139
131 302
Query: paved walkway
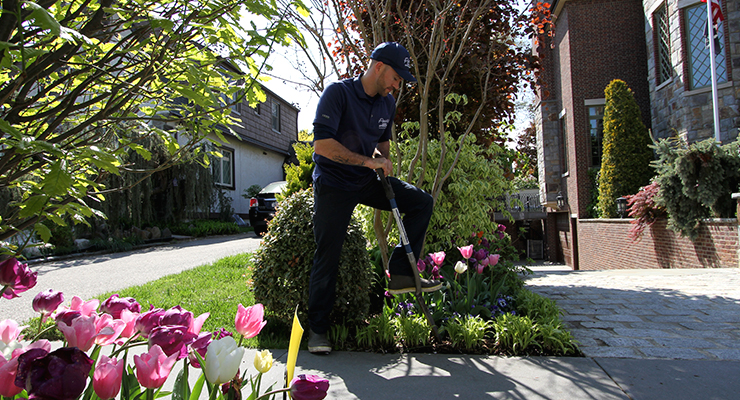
646 334
691 314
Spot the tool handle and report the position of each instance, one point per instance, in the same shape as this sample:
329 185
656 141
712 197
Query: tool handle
386 185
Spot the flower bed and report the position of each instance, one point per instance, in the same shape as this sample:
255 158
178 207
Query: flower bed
30 369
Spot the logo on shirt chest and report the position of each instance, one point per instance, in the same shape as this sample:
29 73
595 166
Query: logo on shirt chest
383 123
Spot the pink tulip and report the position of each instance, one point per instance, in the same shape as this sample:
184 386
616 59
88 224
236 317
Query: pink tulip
466 251
129 320
86 308
197 323
8 370
81 333
9 331
107 377
107 329
249 321
493 259
153 368
438 258
47 302
15 278
480 267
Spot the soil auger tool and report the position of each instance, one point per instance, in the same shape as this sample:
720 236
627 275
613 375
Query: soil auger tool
409 253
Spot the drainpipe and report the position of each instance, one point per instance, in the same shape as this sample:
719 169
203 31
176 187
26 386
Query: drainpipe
736 197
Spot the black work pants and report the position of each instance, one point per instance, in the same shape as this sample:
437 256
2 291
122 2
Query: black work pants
333 209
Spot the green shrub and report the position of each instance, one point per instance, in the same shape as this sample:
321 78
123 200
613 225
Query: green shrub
625 164
476 185
204 227
284 260
556 340
696 182
299 177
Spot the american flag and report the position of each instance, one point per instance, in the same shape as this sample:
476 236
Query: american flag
717 15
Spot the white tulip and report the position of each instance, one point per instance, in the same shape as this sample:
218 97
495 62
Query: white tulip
460 267
222 360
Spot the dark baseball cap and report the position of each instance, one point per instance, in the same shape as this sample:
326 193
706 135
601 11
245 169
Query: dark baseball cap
395 55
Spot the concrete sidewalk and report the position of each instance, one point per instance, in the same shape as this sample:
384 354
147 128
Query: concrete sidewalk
442 376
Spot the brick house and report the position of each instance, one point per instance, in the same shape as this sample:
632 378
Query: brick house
257 154
652 46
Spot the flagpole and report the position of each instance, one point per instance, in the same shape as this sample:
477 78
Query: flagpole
713 64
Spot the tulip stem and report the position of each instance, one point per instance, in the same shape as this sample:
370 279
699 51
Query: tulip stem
127 346
264 396
42 332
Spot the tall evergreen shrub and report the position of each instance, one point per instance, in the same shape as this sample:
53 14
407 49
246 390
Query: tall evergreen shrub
625 164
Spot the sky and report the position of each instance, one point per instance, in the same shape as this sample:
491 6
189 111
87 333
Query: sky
282 61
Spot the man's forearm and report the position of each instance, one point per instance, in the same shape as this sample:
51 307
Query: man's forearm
336 152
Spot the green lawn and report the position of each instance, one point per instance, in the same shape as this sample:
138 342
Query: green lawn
217 288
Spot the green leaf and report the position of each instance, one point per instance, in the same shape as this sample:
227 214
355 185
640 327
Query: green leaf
198 387
43 19
43 232
181 390
140 150
10 129
57 182
33 205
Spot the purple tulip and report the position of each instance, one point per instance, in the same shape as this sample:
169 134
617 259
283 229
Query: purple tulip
114 305
435 273
308 387
15 278
173 339
149 320
222 333
177 316
421 265
480 254
47 302
67 316
501 227
200 345
59 375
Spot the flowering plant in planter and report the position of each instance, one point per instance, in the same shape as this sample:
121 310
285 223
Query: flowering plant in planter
80 369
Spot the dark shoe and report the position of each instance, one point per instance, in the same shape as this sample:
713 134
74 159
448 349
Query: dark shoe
318 343
400 284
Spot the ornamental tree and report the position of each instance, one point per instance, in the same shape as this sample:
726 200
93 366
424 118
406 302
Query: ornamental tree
82 83
625 165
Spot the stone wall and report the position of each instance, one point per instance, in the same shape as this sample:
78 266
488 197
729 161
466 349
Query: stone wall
675 109
605 244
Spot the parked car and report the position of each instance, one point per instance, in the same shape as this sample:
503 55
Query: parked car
262 207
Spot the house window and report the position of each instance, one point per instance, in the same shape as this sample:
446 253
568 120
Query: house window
564 142
596 131
223 168
697 49
258 109
276 116
662 38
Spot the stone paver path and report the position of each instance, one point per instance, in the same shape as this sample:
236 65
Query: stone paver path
648 314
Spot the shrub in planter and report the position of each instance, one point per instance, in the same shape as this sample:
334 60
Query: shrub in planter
283 265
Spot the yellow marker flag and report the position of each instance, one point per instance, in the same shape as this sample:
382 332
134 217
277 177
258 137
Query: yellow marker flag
295 342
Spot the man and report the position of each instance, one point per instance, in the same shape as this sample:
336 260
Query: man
352 131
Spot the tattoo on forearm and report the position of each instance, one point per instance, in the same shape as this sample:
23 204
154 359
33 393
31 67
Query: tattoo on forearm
346 160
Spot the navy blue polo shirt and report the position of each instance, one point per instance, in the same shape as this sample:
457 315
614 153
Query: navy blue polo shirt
348 115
